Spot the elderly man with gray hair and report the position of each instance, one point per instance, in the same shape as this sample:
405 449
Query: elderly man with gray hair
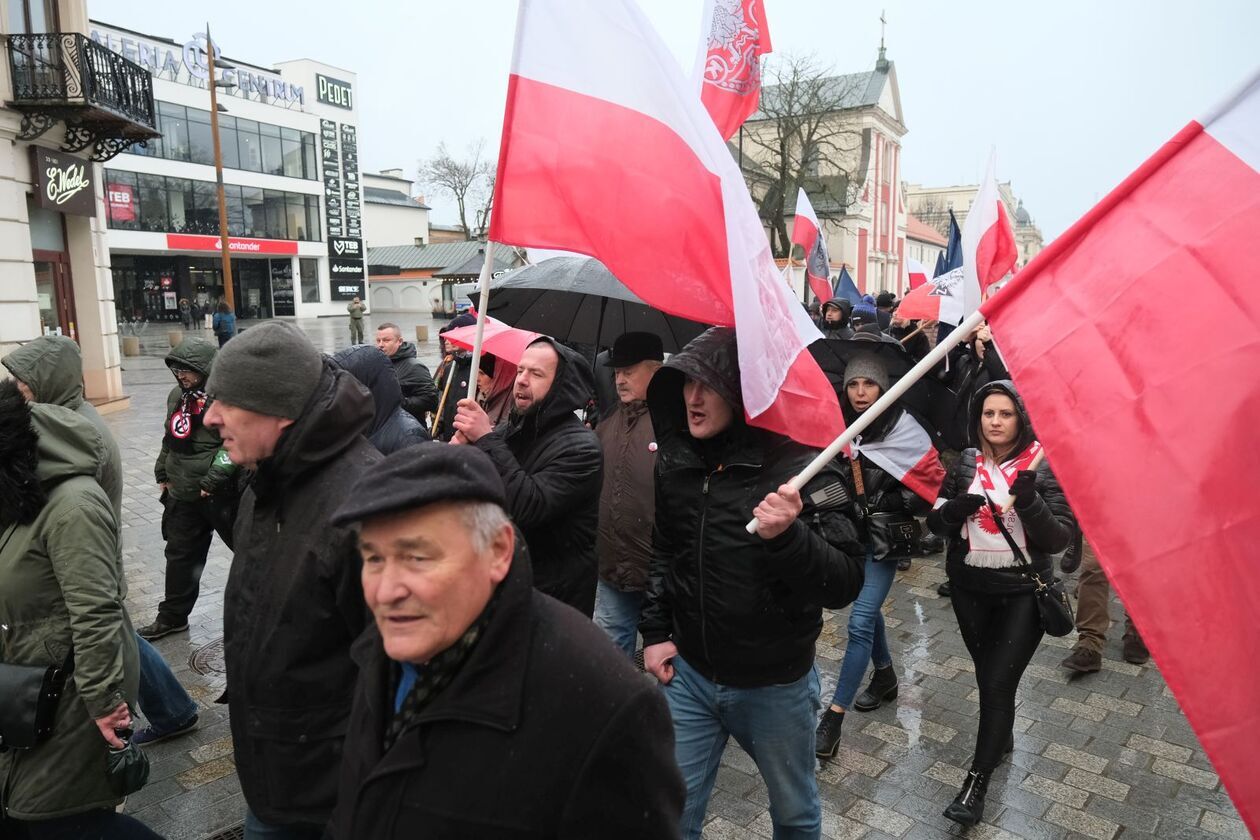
484 707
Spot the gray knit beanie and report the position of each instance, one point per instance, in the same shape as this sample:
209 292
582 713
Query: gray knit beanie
866 366
272 369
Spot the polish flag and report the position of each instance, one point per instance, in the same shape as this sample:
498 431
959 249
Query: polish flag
907 454
730 69
1148 412
917 272
988 246
808 233
607 151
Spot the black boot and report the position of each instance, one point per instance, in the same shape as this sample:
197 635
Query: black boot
827 736
968 806
883 687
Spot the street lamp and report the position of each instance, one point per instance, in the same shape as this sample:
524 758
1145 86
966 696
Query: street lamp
215 84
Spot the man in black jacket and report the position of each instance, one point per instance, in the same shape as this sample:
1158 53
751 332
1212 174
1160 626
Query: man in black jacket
483 707
419 394
732 617
552 466
293 603
392 428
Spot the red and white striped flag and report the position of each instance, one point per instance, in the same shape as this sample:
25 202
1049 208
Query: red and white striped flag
730 72
1148 412
607 151
808 233
988 245
907 454
917 273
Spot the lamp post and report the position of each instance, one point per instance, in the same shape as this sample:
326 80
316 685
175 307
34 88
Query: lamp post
228 294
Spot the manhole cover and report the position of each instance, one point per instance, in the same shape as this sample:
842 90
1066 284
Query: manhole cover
208 659
236 832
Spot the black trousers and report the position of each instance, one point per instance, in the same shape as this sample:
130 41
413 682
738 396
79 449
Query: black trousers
188 528
1001 633
96 825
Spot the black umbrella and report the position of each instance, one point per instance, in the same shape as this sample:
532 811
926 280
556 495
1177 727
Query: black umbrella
833 354
578 300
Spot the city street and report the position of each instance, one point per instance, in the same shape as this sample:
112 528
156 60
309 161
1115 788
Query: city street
1105 756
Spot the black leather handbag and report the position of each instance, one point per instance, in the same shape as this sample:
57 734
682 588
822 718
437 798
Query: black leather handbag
893 534
29 695
1053 605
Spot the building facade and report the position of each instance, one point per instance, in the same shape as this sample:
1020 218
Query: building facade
405 277
288 138
69 106
391 213
932 206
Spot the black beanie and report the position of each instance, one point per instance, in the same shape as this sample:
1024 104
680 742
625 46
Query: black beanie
272 369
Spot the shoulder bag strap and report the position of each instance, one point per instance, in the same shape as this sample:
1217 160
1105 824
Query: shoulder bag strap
1025 567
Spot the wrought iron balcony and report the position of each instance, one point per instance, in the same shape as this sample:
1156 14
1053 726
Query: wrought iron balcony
104 99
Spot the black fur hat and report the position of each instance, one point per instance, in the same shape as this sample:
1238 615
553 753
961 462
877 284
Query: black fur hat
21 496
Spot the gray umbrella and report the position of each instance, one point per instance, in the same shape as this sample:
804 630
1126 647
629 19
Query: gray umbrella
578 300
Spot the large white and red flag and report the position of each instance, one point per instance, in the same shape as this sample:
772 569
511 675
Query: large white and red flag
607 151
1148 412
916 273
808 233
730 69
988 246
907 454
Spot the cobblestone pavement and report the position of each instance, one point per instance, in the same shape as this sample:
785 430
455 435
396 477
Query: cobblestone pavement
1104 756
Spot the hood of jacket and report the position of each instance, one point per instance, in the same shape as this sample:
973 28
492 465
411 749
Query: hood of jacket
41 445
194 353
406 350
572 389
845 307
52 367
712 358
375 372
339 412
1001 386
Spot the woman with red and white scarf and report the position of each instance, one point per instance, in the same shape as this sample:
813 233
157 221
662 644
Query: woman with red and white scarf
992 593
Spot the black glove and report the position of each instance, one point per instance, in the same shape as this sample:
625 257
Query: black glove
957 509
1024 488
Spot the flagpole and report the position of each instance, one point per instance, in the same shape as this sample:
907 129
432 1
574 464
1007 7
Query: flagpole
482 305
866 418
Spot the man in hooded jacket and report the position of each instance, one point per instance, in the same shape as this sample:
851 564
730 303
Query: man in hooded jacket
293 602
834 322
731 617
392 426
419 393
552 466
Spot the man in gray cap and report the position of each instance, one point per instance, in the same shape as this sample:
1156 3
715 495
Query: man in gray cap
468 672
293 602
623 544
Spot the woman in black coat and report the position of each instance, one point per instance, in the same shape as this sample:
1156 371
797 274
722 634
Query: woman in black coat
992 593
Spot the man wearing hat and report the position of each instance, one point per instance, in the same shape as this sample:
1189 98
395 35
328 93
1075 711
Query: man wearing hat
627 504
483 707
884 303
293 602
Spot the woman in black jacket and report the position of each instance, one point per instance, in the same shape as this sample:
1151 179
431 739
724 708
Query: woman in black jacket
992 594
880 501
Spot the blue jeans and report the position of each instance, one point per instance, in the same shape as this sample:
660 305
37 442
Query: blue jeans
256 829
163 701
867 639
774 724
617 614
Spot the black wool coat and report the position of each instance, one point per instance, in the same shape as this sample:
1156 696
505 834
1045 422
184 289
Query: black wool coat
547 731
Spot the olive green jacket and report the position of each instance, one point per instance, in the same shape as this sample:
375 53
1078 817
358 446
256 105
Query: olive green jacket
52 367
198 462
356 310
62 586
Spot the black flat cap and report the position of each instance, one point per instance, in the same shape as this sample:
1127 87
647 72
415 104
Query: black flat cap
421 475
634 347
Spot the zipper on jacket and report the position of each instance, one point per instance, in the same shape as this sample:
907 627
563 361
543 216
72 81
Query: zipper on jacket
704 512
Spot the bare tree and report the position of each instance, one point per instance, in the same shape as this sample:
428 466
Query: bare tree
463 179
800 138
932 211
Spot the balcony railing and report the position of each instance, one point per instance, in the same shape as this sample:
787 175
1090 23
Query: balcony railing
103 97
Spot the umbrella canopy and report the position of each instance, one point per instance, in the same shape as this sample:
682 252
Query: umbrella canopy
833 354
499 340
578 300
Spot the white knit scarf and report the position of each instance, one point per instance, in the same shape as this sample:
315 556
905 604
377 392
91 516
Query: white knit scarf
988 548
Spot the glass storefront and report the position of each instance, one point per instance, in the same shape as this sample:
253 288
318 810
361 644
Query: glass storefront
149 288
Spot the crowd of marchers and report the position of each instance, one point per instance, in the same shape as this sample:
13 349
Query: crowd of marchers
435 603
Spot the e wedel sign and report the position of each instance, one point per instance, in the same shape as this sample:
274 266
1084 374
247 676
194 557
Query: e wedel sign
196 242
334 92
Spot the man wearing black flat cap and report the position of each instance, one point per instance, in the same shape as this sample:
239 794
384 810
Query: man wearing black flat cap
467 672
627 502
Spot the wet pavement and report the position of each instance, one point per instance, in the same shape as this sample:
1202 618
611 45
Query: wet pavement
1103 756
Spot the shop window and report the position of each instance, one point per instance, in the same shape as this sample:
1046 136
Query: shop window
295 210
228 142
173 123
154 214
200 138
310 156
277 222
205 215
250 145
309 279
122 199
255 212
272 149
291 149
312 218
235 210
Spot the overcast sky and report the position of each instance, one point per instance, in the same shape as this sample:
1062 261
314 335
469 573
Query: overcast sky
1074 94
